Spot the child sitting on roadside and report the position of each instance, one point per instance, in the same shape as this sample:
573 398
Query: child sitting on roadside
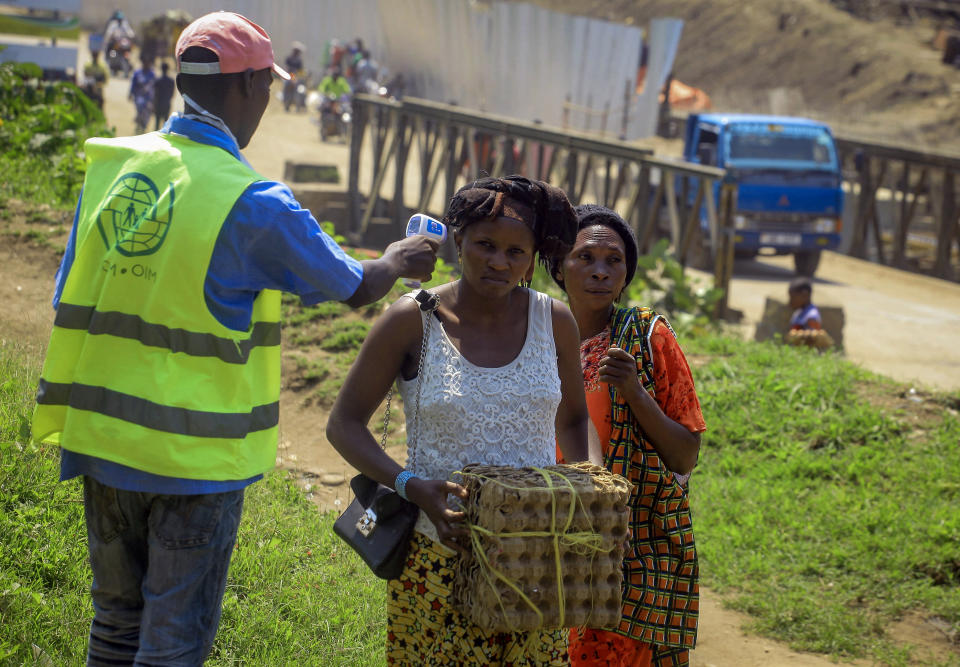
806 327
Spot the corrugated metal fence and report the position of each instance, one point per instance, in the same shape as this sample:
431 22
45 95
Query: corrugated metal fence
509 58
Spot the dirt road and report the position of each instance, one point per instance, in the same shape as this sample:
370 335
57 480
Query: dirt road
899 324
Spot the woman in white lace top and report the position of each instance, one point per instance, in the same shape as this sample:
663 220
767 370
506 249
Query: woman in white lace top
500 384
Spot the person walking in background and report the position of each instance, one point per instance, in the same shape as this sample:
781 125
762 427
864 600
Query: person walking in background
161 381
500 384
162 96
141 92
645 410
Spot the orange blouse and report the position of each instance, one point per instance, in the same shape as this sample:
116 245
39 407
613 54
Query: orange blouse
676 394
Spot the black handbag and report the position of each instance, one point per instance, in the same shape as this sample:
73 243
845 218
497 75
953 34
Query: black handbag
378 524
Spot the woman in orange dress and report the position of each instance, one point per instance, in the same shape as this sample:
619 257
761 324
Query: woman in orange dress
643 404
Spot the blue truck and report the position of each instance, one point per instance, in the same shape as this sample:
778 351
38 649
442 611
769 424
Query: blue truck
787 171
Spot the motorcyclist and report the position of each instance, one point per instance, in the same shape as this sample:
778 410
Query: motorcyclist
294 65
117 28
335 94
118 36
294 61
334 85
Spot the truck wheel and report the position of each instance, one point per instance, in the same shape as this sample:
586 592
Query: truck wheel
806 262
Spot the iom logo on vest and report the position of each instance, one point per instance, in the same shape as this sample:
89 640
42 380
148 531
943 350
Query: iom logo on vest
133 219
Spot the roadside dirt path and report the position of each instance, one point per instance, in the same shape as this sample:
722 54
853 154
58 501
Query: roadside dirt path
896 322
903 325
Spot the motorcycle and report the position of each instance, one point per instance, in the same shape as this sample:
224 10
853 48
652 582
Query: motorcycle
118 57
335 117
295 94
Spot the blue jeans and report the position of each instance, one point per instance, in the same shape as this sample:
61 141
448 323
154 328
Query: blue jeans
159 571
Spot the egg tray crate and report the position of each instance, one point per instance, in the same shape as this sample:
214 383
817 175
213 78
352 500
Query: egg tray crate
547 547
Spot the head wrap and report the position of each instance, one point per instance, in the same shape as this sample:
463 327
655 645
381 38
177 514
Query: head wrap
541 206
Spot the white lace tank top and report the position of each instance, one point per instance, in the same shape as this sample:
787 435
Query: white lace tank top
471 414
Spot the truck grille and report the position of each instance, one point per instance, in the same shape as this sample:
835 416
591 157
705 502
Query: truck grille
793 221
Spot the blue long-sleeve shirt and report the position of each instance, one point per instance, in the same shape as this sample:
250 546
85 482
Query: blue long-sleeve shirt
267 241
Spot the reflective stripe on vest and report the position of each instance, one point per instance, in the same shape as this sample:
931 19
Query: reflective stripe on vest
138 371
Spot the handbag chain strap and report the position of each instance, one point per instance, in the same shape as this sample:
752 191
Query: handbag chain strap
427 324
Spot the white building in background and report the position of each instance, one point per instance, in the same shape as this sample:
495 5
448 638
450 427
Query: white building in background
509 58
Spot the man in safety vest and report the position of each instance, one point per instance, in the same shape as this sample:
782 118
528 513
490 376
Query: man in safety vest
162 378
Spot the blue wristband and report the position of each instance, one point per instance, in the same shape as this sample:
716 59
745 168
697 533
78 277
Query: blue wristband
400 483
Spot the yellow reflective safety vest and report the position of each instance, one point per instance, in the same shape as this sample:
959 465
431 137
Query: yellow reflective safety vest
138 371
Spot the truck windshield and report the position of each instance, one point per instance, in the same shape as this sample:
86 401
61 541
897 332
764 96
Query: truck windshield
775 145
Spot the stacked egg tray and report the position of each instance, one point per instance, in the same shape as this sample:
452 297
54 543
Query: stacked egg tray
544 554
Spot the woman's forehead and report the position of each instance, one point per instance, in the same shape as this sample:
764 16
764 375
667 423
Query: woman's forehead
500 225
600 236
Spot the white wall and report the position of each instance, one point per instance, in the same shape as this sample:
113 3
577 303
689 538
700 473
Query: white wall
508 58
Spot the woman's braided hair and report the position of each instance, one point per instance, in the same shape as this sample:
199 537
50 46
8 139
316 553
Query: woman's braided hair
547 211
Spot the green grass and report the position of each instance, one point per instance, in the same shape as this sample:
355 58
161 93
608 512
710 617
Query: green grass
296 593
824 503
815 503
27 177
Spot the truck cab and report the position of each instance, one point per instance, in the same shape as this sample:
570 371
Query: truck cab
789 196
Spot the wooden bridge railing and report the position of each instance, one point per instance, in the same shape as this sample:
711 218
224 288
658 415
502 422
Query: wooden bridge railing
908 180
426 142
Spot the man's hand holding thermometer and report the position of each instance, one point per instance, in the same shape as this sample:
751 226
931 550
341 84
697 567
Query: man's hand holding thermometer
424 226
413 257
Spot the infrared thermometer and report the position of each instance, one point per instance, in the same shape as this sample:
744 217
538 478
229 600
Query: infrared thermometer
424 225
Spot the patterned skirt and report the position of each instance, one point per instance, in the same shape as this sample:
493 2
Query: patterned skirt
423 628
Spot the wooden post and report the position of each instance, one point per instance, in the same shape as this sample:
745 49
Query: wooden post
403 149
670 193
451 170
622 168
692 228
723 267
379 138
946 227
640 201
858 240
509 162
360 113
572 177
646 233
587 171
874 214
900 237
606 182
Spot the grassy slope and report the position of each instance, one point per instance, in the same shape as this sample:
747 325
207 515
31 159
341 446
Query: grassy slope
825 497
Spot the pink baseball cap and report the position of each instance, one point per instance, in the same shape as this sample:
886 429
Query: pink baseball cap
238 42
